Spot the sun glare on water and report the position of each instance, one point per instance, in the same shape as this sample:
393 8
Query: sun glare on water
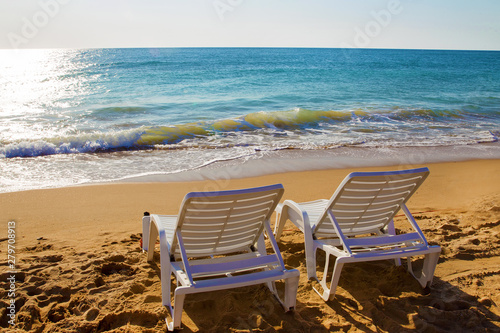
36 88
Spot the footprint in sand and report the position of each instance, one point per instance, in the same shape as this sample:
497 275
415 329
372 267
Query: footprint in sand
117 268
92 314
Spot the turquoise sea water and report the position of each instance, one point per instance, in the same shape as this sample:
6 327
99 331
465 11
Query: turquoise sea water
76 116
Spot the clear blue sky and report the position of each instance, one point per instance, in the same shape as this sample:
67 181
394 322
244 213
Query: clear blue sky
416 24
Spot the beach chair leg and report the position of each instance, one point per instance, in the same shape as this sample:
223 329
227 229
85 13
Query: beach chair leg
329 293
427 274
153 235
146 220
397 261
428 268
281 217
409 267
165 280
430 263
272 286
176 311
310 252
290 293
291 287
391 230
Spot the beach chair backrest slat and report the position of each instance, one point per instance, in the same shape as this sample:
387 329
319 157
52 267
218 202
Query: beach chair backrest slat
223 222
366 202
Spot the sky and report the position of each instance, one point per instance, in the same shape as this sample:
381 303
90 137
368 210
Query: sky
401 24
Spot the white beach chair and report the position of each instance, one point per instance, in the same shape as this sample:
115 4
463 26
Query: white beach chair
217 242
356 224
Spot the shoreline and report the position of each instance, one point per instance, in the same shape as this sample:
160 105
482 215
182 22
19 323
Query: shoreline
126 201
68 170
80 267
295 160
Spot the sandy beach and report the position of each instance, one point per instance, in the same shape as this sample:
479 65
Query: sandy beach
79 266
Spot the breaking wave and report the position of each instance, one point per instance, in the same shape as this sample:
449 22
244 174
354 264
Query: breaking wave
291 129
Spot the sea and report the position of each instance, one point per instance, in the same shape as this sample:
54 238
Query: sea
91 116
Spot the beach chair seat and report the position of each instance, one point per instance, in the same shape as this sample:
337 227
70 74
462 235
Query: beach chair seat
356 224
217 242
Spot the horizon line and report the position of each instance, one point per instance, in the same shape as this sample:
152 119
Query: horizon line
248 47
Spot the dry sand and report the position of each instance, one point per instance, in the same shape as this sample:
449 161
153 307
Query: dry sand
80 268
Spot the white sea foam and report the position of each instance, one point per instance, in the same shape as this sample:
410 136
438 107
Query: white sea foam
271 162
189 165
